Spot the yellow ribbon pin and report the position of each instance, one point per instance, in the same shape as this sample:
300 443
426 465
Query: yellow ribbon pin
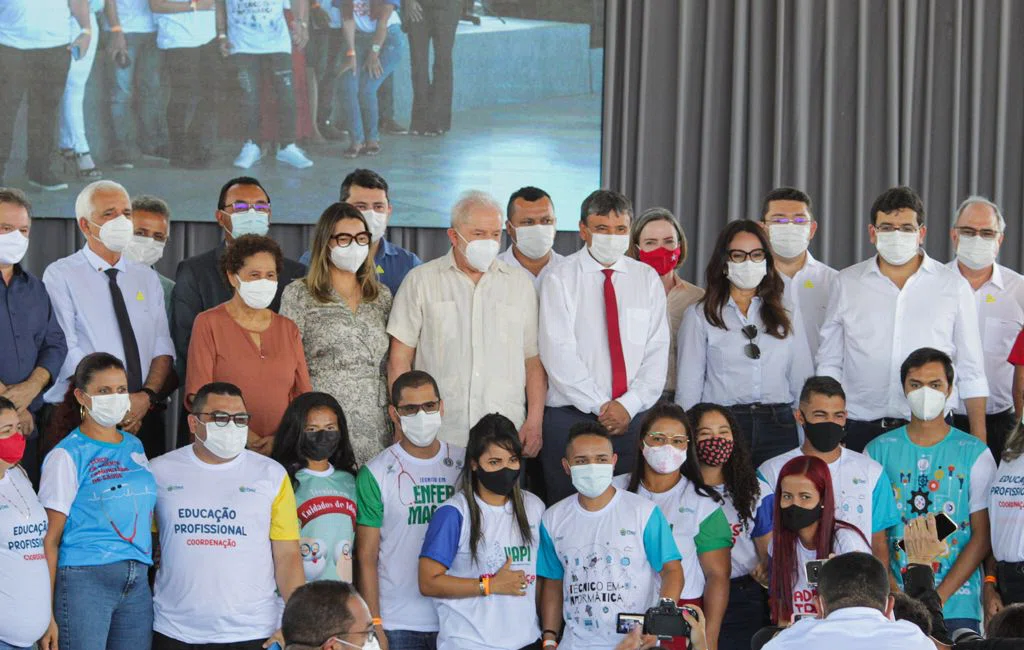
808 285
139 296
380 270
989 298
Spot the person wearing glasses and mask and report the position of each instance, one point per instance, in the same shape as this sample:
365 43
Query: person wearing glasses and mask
328 615
227 532
740 346
882 309
398 492
530 224
244 343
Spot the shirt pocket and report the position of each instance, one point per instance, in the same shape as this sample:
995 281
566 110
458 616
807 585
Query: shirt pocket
999 336
439 327
637 324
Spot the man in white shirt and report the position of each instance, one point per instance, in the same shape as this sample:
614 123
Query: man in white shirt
530 226
603 338
977 234
853 595
327 615
471 322
786 215
107 303
883 308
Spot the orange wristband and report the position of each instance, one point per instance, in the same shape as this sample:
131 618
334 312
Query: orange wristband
487 585
378 622
117 29
990 580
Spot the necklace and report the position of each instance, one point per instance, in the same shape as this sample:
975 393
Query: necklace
27 512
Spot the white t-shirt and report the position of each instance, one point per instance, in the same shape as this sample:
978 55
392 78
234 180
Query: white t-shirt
399 493
216 581
258 27
361 15
744 553
846 541
1006 511
185 29
135 17
497 621
35 24
25 587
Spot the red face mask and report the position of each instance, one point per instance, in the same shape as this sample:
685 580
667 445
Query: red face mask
12 448
662 259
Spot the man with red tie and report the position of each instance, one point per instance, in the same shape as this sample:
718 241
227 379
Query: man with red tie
603 339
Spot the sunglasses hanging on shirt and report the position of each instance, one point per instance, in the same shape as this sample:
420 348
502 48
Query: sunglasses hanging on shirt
751 349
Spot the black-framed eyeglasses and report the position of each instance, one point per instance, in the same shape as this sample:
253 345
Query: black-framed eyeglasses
984 233
344 240
737 256
409 410
245 206
785 221
751 349
221 419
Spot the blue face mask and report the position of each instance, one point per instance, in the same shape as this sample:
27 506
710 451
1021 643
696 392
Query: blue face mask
249 222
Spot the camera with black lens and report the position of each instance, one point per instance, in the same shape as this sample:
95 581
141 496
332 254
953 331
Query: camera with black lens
664 620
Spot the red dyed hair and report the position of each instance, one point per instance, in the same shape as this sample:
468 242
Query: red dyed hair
783 562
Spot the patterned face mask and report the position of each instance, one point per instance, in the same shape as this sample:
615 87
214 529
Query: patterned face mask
714 451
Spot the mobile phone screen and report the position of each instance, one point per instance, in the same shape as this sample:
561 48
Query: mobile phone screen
944 527
626 622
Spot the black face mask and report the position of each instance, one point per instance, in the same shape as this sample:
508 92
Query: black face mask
794 518
319 444
824 436
501 481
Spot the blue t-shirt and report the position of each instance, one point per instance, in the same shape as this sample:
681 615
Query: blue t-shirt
952 476
107 492
393 264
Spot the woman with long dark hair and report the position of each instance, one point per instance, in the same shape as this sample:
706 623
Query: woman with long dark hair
312 444
725 467
666 472
479 557
740 345
806 529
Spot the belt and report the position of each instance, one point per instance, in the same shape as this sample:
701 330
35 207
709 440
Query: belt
758 406
1010 567
889 423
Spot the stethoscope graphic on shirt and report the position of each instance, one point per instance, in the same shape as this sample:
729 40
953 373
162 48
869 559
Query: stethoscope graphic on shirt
122 491
412 484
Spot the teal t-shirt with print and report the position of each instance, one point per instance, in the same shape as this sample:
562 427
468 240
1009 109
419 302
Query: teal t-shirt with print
327 520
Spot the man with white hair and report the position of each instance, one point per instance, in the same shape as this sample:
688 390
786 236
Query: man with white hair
977 234
107 303
471 321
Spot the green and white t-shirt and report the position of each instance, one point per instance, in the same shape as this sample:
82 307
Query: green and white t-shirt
327 521
398 493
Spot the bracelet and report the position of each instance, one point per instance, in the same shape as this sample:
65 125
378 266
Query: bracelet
550 643
483 588
378 622
117 29
990 580
222 35
487 585
350 52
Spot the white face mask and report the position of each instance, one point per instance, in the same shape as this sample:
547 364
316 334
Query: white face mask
258 294
608 249
421 429
13 246
226 441
109 410
249 222
592 480
144 250
747 274
371 643
789 240
377 222
926 403
666 459
351 257
977 253
116 233
535 241
480 253
897 248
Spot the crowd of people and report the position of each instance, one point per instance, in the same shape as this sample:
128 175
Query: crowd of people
297 69
508 449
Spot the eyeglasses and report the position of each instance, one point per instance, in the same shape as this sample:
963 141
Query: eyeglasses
888 227
344 240
658 439
737 256
751 349
984 233
782 221
412 409
221 419
243 206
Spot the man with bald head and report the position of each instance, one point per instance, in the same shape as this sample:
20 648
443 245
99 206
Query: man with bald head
977 233
470 320
107 303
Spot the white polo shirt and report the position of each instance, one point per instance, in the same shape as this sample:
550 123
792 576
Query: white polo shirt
851 628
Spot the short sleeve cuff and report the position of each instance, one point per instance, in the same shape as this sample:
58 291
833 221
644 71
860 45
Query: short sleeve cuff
970 389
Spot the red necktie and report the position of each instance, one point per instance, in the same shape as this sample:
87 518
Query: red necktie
611 319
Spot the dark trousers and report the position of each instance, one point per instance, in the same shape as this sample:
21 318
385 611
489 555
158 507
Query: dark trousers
161 642
193 74
746 614
324 55
41 74
860 432
153 433
767 429
250 69
432 97
557 421
1011 582
998 427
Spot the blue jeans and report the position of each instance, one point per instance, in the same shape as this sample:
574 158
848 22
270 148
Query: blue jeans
8 646
746 614
106 607
410 640
767 430
954 624
140 79
360 88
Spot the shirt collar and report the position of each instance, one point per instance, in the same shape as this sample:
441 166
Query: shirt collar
856 613
589 264
928 264
997 275
495 266
98 263
385 248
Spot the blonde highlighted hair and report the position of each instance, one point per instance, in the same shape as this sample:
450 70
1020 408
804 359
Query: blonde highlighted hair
318 279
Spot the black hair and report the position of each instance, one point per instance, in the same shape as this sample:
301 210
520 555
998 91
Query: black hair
740 476
1008 623
7 405
912 610
68 414
528 193
240 180
222 388
367 178
784 194
244 247
689 470
602 202
821 385
587 428
288 438
492 429
316 611
412 379
853 580
895 199
922 356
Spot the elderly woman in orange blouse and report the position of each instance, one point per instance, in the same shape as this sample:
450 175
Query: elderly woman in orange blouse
243 342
